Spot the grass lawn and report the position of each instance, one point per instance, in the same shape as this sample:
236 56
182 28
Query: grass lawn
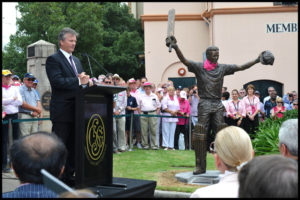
158 165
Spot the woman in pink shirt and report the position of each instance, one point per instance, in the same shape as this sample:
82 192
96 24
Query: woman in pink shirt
252 107
181 127
235 109
170 107
277 111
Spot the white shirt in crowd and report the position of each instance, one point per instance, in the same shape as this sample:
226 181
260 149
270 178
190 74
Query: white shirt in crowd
172 105
11 106
228 186
225 103
148 102
121 102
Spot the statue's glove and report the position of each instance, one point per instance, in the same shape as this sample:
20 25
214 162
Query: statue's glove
171 40
266 58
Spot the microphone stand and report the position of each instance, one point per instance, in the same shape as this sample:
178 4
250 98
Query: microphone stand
90 66
87 55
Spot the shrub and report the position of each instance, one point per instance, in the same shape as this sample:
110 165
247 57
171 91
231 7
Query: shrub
266 138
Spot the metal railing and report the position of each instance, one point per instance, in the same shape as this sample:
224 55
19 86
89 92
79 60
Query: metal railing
10 121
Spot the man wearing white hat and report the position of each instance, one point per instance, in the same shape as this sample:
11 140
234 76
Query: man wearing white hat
148 103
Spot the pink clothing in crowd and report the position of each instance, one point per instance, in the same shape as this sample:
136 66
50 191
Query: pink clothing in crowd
279 114
251 105
232 108
184 107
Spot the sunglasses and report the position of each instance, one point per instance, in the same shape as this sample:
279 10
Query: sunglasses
108 82
30 79
295 104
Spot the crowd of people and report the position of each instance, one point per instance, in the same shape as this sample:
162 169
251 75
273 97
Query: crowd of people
175 106
232 146
20 100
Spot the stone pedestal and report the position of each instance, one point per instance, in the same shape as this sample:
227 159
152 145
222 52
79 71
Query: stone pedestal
207 178
37 54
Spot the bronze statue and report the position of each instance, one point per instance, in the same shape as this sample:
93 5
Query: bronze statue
210 76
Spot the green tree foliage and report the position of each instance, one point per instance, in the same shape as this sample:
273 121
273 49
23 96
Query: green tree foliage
266 139
122 39
107 32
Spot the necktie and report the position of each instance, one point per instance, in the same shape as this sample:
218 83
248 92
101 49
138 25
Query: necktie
72 64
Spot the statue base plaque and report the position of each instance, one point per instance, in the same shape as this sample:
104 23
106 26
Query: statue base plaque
207 178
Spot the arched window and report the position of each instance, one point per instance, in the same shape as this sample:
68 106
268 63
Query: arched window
262 87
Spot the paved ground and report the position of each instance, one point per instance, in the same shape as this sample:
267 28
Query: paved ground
10 182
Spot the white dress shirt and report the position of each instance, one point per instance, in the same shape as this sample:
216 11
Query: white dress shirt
148 102
172 105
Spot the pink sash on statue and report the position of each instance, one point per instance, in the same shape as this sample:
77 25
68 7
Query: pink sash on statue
209 65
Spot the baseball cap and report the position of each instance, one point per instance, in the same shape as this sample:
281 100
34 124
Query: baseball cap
15 76
116 76
256 92
131 80
179 87
159 89
35 81
29 75
183 94
147 84
6 72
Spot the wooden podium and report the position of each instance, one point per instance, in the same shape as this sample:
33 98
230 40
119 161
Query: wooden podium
94 136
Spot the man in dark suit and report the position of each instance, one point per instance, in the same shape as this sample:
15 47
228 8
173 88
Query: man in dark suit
30 154
66 76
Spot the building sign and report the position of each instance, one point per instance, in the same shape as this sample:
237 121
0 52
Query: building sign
46 100
282 27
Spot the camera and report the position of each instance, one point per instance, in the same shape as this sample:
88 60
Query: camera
290 95
194 92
